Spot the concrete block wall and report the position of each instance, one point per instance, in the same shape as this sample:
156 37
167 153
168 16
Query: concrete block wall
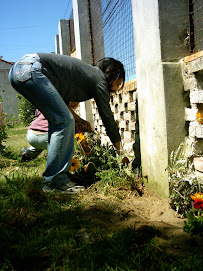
123 105
10 102
192 70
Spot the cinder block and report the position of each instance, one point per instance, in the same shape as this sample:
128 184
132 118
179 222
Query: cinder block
116 99
199 131
117 116
127 136
195 65
135 95
127 116
121 108
132 126
190 83
122 124
131 106
190 114
196 96
125 97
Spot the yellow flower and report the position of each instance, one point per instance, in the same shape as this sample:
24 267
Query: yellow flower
80 137
199 118
74 165
85 168
198 196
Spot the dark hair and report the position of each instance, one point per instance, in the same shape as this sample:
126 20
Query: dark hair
113 70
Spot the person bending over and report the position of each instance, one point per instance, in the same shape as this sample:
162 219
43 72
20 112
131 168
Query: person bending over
50 81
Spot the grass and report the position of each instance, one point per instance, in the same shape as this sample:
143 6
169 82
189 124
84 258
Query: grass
41 231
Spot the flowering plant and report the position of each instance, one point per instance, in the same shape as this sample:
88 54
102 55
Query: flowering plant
183 182
198 200
200 117
94 162
74 165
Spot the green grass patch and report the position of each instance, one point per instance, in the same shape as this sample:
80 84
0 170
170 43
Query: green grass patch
40 231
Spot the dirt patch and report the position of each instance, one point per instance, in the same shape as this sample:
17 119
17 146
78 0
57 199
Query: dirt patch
150 215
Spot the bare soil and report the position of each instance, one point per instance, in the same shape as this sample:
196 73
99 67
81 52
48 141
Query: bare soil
149 214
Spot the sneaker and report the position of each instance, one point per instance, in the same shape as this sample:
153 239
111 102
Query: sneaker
69 188
24 155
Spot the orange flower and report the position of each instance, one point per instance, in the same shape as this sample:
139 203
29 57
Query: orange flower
200 117
85 168
198 196
75 165
80 137
198 200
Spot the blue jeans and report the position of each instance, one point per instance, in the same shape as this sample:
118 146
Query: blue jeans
38 143
27 78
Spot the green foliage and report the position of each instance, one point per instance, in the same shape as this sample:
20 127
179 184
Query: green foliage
183 182
101 162
3 132
45 232
194 225
90 150
40 231
3 136
26 110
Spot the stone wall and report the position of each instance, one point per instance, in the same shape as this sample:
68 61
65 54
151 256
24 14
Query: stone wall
123 105
192 70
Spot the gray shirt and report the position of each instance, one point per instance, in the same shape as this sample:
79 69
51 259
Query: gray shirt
77 81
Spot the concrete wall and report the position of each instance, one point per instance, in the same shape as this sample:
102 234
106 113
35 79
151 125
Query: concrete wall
10 102
160 31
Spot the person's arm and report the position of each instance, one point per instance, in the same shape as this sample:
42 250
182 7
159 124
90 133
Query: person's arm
82 124
117 145
125 161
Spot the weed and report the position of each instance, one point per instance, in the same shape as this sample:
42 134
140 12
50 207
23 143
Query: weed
194 225
41 231
183 181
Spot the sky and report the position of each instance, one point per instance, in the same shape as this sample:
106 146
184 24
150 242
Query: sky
30 26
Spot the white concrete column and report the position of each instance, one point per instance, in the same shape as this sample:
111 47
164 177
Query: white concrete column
64 37
83 47
57 49
150 87
160 27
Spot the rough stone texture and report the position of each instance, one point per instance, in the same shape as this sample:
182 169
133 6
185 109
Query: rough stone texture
192 69
175 105
173 21
198 164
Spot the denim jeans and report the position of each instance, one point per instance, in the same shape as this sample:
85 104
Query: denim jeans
27 78
38 143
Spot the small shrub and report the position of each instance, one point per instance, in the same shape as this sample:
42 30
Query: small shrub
3 136
3 132
26 110
100 162
183 181
194 225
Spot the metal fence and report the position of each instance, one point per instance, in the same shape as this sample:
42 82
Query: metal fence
195 11
112 32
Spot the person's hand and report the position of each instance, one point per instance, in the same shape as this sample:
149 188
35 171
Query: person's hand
125 161
83 126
